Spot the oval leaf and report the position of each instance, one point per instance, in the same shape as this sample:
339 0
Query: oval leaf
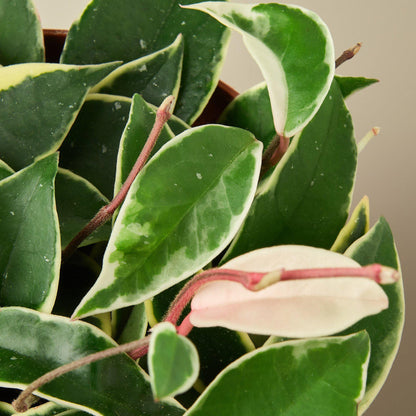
126 29
385 329
307 197
153 76
30 249
21 38
181 212
335 382
285 41
108 387
172 360
294 308
35 92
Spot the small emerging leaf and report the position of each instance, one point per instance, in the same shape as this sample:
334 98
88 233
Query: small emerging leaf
172 360
356 227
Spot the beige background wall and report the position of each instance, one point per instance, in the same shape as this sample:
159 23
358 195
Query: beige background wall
387 167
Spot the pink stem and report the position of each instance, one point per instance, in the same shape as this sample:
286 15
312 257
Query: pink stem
105 213
185 327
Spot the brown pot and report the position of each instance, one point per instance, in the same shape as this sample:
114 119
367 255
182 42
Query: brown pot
223 94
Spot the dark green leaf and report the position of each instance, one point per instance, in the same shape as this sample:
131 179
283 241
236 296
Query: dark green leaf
385 329
252 111
181 212
38 104
91 148
129 323
349 85
5 170
114 386
172 360
306 199
128 29
30 247
77 201
21 38
318 377
154 76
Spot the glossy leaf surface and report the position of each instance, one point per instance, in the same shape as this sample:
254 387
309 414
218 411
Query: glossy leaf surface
153 76
139 125
384 329
108 387
356 227
125 30
335 381
285 41
30 246
182 210
21 38
35 92
349 85
307 197
91 147
172 360
77 201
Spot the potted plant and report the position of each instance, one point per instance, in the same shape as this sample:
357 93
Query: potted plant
150 267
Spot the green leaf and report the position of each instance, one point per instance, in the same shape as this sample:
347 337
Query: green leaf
285 41
108 387
90 149
5 170
349 85
252 111
307 197
141 120
180 213
77 201
153 76
127 29
316 377
129 323
356 227
172 360
385 329
30 248
21 38
38 104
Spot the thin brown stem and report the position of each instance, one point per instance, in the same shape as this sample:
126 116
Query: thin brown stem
274 153
22 403
348 54
105 213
